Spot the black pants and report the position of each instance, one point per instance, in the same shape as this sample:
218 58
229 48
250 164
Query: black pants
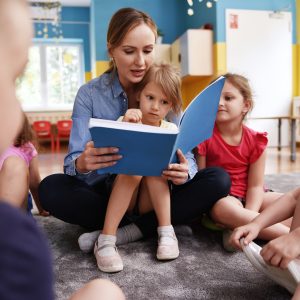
25 263
73 201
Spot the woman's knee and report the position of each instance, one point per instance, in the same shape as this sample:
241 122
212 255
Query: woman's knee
221 180
50 189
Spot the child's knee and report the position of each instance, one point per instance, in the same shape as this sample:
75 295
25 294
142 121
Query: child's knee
224 209
16 167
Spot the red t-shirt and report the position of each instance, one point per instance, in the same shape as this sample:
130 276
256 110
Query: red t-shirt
235 160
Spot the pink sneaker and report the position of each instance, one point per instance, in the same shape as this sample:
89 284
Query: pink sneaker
108 264
167 246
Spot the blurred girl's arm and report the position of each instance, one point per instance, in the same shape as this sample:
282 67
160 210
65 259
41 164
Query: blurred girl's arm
201 160
255 189
34 181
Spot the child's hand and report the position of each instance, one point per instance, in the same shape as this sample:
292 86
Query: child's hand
44 213
133 115
280 251
249 232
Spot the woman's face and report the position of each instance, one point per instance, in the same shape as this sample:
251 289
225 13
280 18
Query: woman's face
134 55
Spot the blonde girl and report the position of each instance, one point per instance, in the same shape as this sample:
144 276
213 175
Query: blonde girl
241 151
157 94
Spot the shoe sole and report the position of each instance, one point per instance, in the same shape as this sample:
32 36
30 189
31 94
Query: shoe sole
110 270
283 277
167 257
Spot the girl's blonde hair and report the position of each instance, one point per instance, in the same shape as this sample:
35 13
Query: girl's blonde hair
26 134
242 84
124 20
168 78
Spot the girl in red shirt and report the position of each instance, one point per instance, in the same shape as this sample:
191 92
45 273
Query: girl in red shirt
241 151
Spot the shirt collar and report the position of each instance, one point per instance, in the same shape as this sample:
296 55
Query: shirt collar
116 86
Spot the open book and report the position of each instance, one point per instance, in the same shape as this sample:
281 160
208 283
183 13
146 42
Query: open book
147 150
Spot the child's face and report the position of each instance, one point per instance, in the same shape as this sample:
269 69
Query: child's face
17 33
153 104
232 105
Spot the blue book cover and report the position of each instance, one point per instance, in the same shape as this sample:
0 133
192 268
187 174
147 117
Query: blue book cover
147 150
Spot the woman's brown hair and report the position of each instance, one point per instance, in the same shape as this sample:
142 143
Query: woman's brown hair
124 20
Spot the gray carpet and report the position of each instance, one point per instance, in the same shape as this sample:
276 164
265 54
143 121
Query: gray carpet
203 270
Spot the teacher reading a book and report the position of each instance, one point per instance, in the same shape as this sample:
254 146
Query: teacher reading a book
80 196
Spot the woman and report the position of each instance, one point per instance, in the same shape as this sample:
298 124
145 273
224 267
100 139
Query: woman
80 196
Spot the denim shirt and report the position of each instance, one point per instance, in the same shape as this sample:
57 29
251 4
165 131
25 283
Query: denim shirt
103 98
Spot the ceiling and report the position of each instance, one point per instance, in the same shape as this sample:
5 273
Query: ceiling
67 2
75 2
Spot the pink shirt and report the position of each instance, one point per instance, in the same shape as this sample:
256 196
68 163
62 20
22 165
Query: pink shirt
236 160
26 152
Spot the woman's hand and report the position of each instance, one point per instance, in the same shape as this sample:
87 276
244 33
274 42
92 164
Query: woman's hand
177 173
133 115
96 158
249 232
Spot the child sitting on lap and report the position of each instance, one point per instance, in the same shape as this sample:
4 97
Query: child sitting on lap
158 93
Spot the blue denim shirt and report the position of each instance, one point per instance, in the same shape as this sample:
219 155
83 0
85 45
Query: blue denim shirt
103 98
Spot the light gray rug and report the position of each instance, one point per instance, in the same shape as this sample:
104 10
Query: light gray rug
203 270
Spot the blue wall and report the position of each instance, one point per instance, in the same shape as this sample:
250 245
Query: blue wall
166 13
170 16
75 25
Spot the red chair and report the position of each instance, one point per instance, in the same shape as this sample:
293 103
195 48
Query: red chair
43 131
63 131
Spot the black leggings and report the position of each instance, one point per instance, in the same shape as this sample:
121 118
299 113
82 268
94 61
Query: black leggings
73 201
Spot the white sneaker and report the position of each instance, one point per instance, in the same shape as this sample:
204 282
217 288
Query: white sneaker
108 263
167 246
288 278
225 239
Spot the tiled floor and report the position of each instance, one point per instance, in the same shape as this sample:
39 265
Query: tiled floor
277 162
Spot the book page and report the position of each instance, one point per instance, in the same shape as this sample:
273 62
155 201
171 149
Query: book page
197 121
129 126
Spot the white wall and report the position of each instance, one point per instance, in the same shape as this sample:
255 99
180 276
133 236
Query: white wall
259 46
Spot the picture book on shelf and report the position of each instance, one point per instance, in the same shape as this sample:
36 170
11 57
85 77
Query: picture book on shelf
148 150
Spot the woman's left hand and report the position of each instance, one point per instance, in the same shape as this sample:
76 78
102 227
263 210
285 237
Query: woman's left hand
177 173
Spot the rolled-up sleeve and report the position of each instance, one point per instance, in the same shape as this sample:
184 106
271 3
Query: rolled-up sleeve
80 134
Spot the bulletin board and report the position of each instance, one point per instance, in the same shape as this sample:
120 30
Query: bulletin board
259 46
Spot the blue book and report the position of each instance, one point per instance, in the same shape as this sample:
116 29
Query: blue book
148 150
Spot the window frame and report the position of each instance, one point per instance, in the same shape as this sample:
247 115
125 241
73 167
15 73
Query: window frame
42 44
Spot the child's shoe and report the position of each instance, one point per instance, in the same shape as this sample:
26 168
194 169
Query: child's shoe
288 278
225 238
106 253
167 243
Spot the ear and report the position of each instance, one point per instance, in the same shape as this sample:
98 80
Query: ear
109 50
247 106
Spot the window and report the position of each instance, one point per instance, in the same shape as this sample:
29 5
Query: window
52 77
